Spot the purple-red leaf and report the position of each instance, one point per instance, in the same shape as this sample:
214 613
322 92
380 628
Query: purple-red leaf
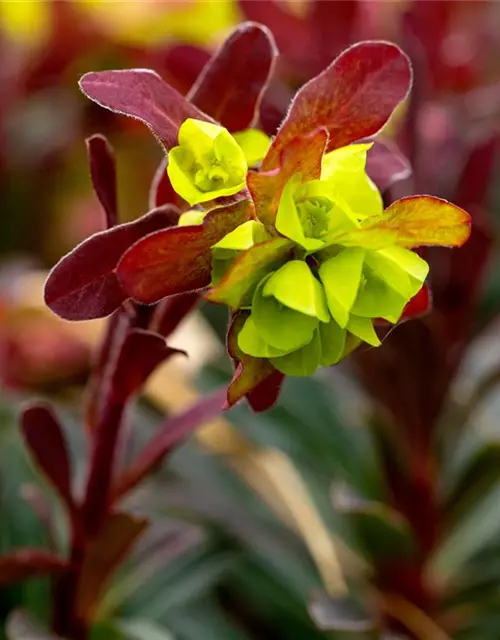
230 87
83 285
45 439
142 94
119 533
27 563
385 165
177 260
181 64
103 174
353 98
173 431
299 155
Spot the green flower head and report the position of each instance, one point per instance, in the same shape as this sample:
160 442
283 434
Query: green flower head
207 164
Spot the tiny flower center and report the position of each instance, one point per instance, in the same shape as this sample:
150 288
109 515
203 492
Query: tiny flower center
313 215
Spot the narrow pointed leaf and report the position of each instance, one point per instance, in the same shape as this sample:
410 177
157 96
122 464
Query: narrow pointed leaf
103 174
353 98
45 439
28 562
230 87
299 156
142 94
177 260
104 554
249 268
413 222
83 285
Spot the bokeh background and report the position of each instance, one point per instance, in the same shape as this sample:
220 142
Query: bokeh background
382 474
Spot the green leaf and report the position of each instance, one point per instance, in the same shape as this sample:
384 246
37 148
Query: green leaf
279 326
341 278
332 338
400 268
251 342
363 328
288 220
295 286
237 286
138 629
301 362
243 237
254 144
376 299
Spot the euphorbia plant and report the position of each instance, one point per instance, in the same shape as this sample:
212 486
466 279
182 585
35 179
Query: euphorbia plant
290 234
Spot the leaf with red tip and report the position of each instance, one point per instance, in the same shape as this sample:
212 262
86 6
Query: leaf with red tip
105 553
300 155
142 94
83 285
419 305
230 86
177 260
27 563
103 174
45 439
385 165
255 378
352 98
237 285
414 221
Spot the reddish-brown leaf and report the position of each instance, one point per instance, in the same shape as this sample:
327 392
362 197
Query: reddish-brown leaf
28 562
177 260
45 439
299 155
230 87
353 98
419 305
103 174
181 64
83 285
142 94
248 270
106 551
332 28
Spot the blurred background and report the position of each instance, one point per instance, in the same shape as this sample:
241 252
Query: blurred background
367 503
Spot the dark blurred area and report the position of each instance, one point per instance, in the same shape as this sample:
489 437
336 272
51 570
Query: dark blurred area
388 465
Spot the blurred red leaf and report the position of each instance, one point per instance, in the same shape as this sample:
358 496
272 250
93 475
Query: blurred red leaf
27 563
103 174
290 31
177 260
142 94
169 435
419 305
83 285
169 313
248 270
386 165
353 98
265 394
106 551
182 64
300 155
45 439
332 27
230 87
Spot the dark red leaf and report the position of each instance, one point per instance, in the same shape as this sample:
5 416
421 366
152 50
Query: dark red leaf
142 94
45 439
353 98
172 311
103 174
169 435
119 533
290 31
386 165
83 285
177 260
299 155
181 64
230 86
332 25
28 562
